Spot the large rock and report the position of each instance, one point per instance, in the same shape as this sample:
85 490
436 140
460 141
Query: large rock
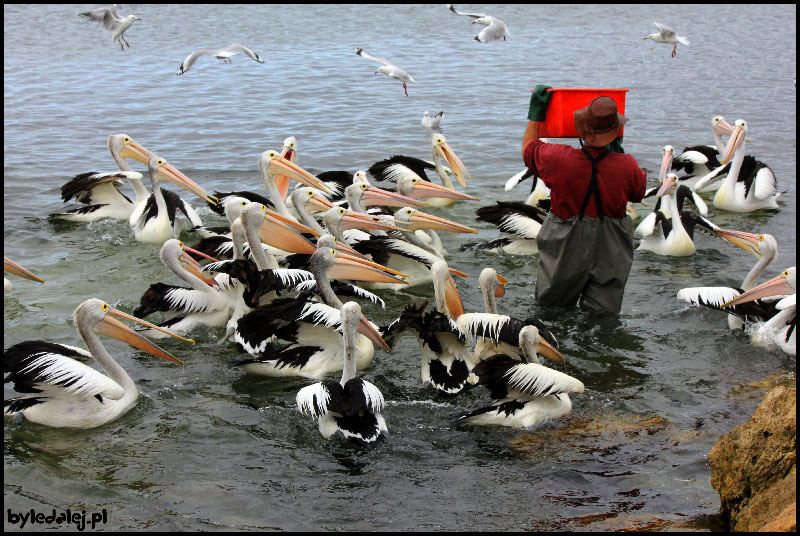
753 467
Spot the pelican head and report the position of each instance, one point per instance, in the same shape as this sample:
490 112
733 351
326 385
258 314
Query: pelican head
782 285
360 176
738 136
160 170
363 195
443 150
275 230
720 126
234 205
760 245
669 184
448 300
667 154
311 199
492 283
354 320
97 314
416 220
273 164
416 188
532 344
342 266
123 146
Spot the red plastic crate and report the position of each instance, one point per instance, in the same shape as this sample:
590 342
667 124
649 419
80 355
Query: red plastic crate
560 122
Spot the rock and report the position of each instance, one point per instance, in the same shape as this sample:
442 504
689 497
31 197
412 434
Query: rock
753 467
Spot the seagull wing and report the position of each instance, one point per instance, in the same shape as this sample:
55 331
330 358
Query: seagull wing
191 58
364 54
666 31
236 48
496 30
474 15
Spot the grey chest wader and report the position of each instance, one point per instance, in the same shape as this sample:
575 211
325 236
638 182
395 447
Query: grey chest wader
585 260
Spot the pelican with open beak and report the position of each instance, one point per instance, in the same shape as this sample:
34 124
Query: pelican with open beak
288 152
13 268
67 393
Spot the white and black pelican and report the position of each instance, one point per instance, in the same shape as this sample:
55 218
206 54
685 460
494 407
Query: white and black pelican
746 188
13 268
525 393
398 166
223 54
99 192
666 34
113 22
388 68
155 220
672 236
499 334
698 161
765 249
65 392
446 359
273 165
309 326
495 28
350 408
780 327
521 220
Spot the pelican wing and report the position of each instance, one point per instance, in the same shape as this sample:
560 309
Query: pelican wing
314 399
399 166
766 185
360 397
97 188
537 380
36 366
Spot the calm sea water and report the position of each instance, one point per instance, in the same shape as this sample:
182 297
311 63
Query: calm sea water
209 447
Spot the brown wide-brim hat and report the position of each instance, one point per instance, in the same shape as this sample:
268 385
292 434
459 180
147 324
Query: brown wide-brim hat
599 123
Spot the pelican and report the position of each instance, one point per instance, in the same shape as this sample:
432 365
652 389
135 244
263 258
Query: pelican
526 393
113 22
13 268
271 165
765 249
100 192
350 408
66 392
446 360
495 28
676 232
521 220
780 326
388 68
223 54
154 220
666 34
496 333
699 160
309 326
758 187
432 121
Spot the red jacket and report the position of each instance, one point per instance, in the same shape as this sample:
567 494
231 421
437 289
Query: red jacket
567 172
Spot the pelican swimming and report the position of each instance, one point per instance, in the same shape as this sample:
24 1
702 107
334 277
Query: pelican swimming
757 189
495 28
13 268
666 34
66 392
223 54
154 220
446 360
525 393
765 249
699 160
113 22
351 407
99 192
388 68
310 327
779 327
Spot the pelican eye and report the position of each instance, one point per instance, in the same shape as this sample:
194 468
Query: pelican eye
761 238
104 307
310 193
126 140
363 186
160 162
180 244
333 252
341 211
409 212
414 181
263 208
786 273
244 203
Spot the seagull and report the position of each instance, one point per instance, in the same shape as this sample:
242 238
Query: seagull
112 22
432 122
223 54
389 68
495 28
667 35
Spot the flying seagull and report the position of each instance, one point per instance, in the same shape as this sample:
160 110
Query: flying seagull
389 68
112 22
223 54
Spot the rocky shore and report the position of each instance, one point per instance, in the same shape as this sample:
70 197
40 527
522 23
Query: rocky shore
754 467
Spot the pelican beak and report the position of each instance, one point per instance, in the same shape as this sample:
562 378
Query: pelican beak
282 166
193 267
357 220
420 220
425 189
358 269
291 223
368 330
460 172
736 140
500 290
275 231
111 327
373 196
545 349
137 152
747 241
777 286
668 182
169 173
453 299
342 248
317 203
723 128
282 181
666 164
13 268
